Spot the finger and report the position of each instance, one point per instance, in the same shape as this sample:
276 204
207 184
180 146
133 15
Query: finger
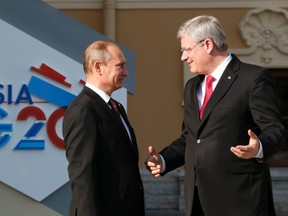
152 150
244 152
237 152
242 148
156 175
155 172
150 164
252 135
155 167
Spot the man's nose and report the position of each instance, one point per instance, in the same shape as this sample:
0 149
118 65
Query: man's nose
125 72
184 56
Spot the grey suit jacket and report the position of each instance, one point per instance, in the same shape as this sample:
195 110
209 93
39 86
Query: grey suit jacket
229 186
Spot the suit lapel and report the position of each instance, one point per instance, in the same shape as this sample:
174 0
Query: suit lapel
132 144
195 104
223 85
107 111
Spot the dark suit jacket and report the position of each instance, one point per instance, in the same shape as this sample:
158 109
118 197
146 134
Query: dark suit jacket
229 186
103 162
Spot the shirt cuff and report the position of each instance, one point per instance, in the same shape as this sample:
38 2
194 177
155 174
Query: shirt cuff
163 164
260 154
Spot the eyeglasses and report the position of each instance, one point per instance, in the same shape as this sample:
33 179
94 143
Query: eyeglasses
189 50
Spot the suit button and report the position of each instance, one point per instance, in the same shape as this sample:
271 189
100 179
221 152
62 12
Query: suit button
198 141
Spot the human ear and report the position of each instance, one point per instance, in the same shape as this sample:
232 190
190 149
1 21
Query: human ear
98 66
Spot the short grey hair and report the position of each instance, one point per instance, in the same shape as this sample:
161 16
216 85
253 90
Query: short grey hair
97 51
204 27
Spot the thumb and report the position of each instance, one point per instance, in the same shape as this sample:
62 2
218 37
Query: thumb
252 135
152 150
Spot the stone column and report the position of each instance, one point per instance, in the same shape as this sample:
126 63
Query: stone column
109 14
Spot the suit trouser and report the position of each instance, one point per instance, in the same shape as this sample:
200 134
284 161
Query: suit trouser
197 208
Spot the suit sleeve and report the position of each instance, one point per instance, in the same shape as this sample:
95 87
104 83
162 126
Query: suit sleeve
265 111
174 154
80 134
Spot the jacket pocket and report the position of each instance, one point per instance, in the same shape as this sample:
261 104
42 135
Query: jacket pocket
249 166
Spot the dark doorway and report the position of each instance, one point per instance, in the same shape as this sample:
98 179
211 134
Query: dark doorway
280 76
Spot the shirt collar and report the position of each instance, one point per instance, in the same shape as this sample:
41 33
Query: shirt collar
220 69
98 91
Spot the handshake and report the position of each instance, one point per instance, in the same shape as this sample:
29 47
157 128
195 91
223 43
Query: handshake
154 162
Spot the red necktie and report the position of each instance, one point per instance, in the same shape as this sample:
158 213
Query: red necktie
115 109
208 93
114 105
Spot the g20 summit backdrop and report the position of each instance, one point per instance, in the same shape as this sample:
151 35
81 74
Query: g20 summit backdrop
41 72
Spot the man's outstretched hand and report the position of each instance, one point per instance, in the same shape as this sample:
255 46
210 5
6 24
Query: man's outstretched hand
247 151
154 162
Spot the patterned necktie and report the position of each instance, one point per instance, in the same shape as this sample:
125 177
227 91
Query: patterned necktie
208 93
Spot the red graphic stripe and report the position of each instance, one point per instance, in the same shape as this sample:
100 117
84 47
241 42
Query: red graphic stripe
82 82
47 71
27 112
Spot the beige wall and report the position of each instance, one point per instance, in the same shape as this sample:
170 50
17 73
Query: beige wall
90 17
155 111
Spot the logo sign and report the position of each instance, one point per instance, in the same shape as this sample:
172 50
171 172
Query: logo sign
37 82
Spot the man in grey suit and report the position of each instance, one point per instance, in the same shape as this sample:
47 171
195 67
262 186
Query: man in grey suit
224 146
100 143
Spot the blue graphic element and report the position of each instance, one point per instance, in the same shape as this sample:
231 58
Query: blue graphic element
23 95
36 127
40 20
3 113
30 145
4 140
27 144
49 92
4 128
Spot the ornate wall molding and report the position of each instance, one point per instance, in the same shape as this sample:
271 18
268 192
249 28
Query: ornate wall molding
164 4
265 31
75 4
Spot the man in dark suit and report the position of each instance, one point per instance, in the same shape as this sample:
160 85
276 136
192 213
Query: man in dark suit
100 145
226 145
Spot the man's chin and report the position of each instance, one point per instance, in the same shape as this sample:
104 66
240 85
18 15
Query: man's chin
119 86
